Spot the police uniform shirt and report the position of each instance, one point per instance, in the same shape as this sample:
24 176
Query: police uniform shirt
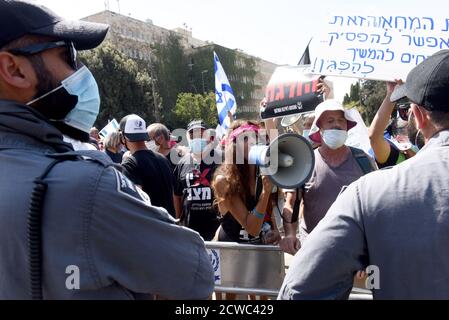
101 237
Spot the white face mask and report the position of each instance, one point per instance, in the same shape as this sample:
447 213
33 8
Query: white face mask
151 145
334 139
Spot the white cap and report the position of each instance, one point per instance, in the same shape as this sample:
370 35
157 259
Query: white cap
134 128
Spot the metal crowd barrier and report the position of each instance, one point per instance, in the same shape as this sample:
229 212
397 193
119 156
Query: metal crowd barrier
247 269
254 269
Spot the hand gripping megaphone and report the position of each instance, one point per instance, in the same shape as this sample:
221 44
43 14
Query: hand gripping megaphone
288 161
291 123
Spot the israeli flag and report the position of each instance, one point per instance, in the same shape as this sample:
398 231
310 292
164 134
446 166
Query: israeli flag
224 97
111 127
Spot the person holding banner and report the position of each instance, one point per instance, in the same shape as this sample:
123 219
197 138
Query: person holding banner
389 152
393 223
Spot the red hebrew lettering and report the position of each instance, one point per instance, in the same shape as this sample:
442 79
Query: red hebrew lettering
280 94
292 90
307 88
314 85
299 89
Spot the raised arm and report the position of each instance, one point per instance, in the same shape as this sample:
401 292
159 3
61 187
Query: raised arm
380 146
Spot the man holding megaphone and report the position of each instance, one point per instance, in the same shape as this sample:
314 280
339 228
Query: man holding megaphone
336 166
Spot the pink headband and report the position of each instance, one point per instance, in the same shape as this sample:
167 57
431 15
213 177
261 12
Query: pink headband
245 128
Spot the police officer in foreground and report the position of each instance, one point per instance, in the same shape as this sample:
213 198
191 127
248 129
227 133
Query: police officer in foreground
394 221
74 227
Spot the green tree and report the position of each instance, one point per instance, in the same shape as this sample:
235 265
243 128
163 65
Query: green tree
172 72
366 96
124 87
372 94
190 106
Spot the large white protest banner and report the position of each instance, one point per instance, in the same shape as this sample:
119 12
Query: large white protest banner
378 47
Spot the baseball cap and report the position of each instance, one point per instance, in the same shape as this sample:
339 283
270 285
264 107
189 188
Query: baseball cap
19 18
134 128
427 84
196 124
328 105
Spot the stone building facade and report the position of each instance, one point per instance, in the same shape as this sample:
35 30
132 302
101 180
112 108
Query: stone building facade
134 38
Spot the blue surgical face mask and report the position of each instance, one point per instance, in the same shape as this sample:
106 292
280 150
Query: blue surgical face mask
334 139
82 85
305 134
197 145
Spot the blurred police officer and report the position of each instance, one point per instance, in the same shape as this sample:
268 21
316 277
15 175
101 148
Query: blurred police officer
73 227
396 220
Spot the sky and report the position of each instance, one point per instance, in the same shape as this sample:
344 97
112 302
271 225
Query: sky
277 31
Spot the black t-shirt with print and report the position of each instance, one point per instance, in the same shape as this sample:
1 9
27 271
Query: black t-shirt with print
152 171
193 184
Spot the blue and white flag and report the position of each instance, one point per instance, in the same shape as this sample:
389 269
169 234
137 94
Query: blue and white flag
111 127
224 97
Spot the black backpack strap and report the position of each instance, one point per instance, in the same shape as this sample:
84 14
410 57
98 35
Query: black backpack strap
363 161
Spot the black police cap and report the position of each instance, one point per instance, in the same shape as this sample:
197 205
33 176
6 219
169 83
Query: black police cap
19 18
427 84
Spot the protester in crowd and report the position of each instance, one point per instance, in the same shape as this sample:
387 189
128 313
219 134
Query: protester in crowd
210 135
393 219
147 169
336 166
113 147
162 142
307 122
193 195
95 138
94 133
74 227
243 196
398 147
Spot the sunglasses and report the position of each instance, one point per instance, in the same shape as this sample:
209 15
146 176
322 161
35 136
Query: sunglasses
403 110
40 47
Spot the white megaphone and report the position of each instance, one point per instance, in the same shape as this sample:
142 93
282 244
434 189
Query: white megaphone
288 161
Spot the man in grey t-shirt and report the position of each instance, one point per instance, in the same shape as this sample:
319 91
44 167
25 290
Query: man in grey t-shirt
335 167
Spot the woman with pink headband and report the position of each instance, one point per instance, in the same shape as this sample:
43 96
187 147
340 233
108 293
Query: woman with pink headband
243 197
